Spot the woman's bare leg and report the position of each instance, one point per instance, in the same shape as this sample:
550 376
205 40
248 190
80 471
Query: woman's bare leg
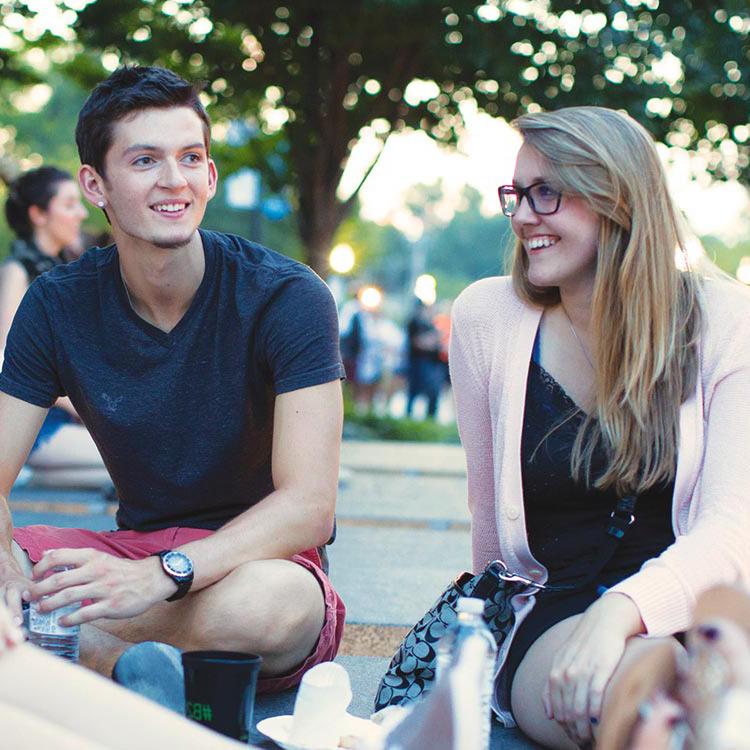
71 446
26 730
82 704
69 458
532 674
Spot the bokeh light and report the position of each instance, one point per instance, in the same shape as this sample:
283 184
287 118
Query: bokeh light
743 270
425 288
342 258
370 297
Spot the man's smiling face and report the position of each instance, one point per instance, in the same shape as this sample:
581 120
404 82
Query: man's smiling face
159 177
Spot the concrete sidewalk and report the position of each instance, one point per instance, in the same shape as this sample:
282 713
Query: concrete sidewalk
395 457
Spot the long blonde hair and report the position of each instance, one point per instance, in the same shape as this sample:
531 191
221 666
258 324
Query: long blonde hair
646 314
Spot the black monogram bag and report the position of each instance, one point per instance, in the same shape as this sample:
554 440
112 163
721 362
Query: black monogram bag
413 668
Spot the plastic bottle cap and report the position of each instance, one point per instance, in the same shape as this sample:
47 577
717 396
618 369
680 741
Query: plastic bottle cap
470 605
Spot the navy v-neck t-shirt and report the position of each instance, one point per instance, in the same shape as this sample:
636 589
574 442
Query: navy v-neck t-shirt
183 420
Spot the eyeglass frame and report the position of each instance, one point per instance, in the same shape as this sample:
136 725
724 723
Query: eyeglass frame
526 193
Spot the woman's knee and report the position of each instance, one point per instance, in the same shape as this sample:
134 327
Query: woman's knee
528 685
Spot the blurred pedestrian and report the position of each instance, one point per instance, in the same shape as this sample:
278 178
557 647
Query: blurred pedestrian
425 374
363 347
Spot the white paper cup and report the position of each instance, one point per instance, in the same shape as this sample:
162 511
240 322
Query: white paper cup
320 707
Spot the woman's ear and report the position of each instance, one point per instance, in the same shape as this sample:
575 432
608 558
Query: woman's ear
37 216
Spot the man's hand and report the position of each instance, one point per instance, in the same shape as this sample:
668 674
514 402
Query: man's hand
108 586
10 632
13 583
584 665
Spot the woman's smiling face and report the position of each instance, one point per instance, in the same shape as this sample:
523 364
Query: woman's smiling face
561 248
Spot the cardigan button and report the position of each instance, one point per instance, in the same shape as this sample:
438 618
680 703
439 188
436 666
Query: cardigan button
513 512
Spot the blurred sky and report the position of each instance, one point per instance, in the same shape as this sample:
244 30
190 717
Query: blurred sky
485 158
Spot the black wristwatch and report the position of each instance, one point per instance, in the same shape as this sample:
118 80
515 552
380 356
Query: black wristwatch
179 567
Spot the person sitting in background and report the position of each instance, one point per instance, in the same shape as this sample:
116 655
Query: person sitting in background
45 212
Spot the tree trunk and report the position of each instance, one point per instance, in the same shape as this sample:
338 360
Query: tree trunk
320 214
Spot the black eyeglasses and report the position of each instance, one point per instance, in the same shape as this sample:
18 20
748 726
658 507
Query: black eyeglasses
543 199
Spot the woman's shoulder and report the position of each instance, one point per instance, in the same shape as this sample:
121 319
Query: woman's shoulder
12 271
726 305
487 299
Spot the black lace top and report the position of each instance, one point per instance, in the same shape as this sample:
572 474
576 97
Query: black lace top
565 521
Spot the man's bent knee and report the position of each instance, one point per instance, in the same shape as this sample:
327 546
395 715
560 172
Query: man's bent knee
272 607
292 609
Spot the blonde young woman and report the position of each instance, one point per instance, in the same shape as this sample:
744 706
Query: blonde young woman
599 370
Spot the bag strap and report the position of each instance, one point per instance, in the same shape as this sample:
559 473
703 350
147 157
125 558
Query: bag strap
620 520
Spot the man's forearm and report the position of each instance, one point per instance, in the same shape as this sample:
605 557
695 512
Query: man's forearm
281 525
6 536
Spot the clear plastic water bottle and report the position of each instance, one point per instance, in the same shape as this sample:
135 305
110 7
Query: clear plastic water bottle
470 624
46 631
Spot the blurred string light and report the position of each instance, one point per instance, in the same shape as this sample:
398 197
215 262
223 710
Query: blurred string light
32 98
342 258
370 297
743 270
425 289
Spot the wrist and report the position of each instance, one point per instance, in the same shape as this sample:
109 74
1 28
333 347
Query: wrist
178 567
10 567
162 585
623 612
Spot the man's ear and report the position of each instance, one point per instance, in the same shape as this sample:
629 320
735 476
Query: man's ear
213 178
92 186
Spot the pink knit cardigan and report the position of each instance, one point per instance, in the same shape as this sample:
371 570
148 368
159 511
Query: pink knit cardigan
492 338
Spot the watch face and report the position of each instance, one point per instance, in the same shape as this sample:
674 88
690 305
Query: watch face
179 563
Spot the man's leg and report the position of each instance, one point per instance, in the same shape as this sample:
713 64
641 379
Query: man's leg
274 608
279 609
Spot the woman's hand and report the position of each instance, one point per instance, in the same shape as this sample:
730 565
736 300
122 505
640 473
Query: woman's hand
584 665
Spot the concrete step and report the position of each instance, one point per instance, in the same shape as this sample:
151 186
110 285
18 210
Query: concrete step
438 497
391 456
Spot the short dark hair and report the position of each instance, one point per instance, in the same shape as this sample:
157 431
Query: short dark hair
37 187
128 89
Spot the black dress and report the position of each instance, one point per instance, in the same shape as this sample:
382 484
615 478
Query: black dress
565 521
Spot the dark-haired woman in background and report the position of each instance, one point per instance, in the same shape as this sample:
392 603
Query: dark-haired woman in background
44 210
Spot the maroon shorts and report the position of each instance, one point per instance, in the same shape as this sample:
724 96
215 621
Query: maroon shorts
134 545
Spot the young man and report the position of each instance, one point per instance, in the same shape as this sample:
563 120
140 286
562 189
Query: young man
207 370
